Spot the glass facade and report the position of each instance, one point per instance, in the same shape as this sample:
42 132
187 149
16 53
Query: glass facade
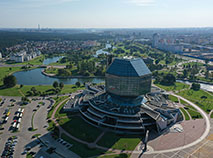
128 86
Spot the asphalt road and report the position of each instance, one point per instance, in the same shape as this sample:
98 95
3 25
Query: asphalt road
25 136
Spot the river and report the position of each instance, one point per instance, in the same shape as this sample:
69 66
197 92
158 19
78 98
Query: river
35 77
203 86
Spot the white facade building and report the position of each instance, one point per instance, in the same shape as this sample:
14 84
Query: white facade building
23 56
166 44
17 58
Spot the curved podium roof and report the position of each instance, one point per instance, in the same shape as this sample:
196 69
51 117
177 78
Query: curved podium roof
128 68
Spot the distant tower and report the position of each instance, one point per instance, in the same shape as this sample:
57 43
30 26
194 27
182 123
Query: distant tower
38 26
155 40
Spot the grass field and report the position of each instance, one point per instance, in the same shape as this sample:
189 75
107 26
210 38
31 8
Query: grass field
173 98
57 101
81 149
51 70
17 91
187 105
29 155
183 102
58 113
194 114
178 86
211 115
112 140
192 111
77 127
14 91
185 114
4 71
196 97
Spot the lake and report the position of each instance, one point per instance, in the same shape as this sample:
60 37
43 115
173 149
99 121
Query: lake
47 61
35 77
203 86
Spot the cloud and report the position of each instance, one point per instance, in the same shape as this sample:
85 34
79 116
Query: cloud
142 2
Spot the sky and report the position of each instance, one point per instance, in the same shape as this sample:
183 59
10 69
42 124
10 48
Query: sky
106 13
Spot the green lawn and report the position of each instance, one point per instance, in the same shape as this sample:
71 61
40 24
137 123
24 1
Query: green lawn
51 70
115 141
178 86
187 105
81 149
57 101
16 91
196 97
183 102
194 114
36 135
185 114
77 127
32 125
59 112
194 63
4 71
211 115
173 98
51 125
29 155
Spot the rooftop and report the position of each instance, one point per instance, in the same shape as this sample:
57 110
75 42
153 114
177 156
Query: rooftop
128 67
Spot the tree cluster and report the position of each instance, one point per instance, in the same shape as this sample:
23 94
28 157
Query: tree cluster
195 86
9 81
165 79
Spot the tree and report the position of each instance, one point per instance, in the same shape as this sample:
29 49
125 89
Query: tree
195 86
64 72
157 62
33 89
203 97
78 84
55 84
61 85
168 80
185 73
9 81
207 74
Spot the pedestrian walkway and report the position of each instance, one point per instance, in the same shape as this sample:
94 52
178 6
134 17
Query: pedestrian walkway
136 152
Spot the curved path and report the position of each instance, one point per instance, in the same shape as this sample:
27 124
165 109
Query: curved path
205 134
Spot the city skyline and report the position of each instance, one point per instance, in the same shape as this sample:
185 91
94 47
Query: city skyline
105 14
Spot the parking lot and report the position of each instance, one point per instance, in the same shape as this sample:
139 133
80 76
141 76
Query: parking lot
21 117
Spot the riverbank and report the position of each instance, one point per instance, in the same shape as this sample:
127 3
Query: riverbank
196 81
65 77
18 91
5 71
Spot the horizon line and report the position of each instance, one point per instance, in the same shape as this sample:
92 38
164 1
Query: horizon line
106 28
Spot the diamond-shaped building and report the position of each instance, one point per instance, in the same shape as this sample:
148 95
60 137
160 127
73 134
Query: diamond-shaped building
128 103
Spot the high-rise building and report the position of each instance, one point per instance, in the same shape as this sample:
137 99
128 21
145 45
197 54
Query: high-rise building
155 40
